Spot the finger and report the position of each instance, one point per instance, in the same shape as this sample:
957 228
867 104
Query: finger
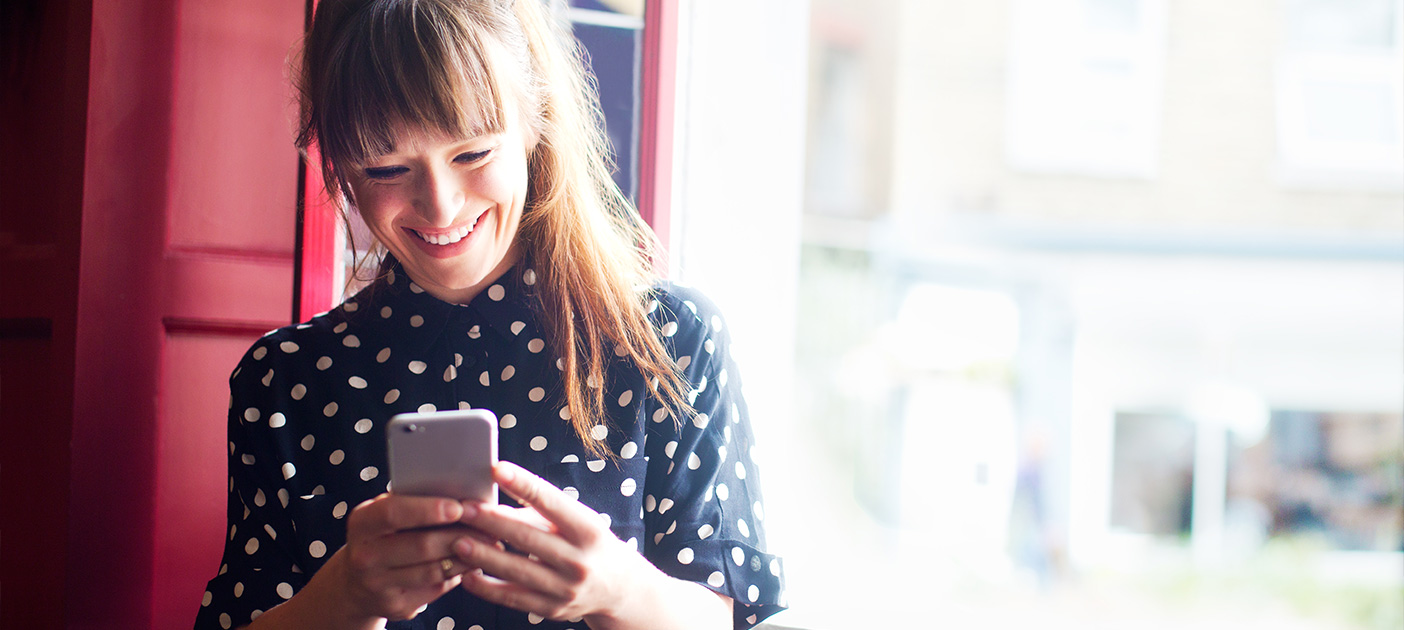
518 569
392 512
523 532
413 547
504 593
573 520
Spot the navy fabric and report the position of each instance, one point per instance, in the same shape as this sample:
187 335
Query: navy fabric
308 409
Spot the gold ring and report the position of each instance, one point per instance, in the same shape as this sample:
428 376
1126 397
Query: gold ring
447 566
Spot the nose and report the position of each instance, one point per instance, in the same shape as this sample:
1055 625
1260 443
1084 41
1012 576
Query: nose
441 197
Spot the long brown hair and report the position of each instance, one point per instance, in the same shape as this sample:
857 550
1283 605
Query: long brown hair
445 65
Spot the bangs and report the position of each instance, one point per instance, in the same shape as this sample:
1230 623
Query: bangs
406 65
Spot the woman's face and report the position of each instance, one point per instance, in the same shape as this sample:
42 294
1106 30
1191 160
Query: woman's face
447 208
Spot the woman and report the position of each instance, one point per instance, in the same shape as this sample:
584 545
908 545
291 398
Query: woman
515 278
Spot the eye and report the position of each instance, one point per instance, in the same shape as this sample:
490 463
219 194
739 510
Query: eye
471 156
385 172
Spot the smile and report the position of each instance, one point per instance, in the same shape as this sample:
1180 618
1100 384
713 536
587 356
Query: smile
450 237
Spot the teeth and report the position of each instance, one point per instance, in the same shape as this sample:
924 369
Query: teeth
446 238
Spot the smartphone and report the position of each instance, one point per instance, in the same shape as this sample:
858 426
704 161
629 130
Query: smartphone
443 454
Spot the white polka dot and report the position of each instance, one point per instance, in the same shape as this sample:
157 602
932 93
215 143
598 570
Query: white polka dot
251 547
357 382
560 364
350 307
363 425
298 391
417 367
684 362
457 359
716 580
251 415
267 378
517 327
593 380
723 492
385 312
289 470
369 472
534 618
704 532
450 373
474 332
670 329
529 277
752 592
741 525
626 398
464 406
721 453
324 363
247 458
595 465
260 498
416 321
775 567
664 505
392 396
285 590
427 408
650 503
283 496
570 459
383 355
758 511
259 353
738 556
571 492
564 413
657 537
484 379
685 555
288 347
330 409
414 288
445 624
337 456
224 621
721 379
536 394
700 420
351 341
670 448
671 527
317 549
709 346
629 450
207 599
659 415
628 487
340 328
599 431
538 443
716 323
507 373
535 345
508 421
307 442
693 461
340 510
496 292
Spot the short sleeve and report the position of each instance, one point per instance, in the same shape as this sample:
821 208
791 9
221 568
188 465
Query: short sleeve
703 511
258 569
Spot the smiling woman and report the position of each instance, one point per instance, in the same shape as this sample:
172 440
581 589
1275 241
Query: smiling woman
463 134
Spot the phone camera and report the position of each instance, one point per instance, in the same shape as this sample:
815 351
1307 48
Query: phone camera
411 428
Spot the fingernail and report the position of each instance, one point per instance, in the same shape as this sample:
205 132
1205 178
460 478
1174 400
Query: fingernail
453 510
470 511
462 547
505 472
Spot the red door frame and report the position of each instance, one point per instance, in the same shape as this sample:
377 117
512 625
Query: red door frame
317 258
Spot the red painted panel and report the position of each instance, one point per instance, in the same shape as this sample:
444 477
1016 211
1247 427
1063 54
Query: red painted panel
660 62
232 126
191 470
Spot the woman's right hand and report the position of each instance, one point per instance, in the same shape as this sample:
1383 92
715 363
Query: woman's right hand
391 566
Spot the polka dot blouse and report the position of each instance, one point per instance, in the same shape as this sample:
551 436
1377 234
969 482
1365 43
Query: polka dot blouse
307 421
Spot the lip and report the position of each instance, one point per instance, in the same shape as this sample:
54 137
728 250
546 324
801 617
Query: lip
452 249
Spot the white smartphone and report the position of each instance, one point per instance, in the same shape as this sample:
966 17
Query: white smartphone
443 454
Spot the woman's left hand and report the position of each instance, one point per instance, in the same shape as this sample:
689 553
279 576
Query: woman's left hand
576 568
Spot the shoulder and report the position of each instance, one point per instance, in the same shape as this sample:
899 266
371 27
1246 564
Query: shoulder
688 308
301 344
